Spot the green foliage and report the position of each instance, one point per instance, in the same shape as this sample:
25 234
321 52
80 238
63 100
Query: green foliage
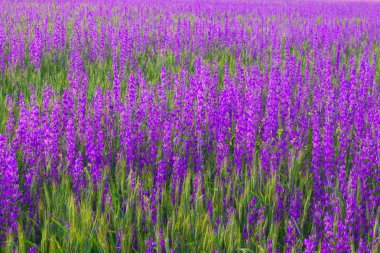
91 221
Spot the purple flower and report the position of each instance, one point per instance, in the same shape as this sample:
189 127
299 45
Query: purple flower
150 246
10 194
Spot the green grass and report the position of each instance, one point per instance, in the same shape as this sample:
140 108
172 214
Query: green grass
66 222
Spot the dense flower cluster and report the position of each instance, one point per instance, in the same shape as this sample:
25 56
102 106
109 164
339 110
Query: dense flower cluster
274 104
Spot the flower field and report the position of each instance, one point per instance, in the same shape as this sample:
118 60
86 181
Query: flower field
189 126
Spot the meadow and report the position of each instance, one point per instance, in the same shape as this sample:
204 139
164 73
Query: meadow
189 126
